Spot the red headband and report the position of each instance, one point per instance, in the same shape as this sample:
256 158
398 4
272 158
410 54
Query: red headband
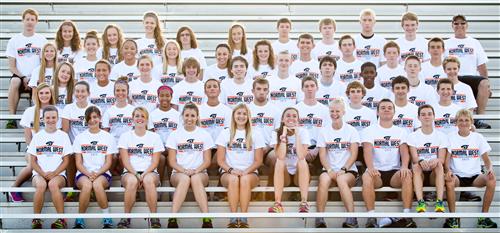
165 87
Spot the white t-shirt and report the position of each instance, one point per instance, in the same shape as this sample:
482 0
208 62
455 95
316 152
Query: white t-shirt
338 145
185 92
214 119
144 94
85 71
385 75
103 97
301 69
195 53
422 94
290 46
172 77
370 49
374 95
68 55
238 156
465 160
348 72
406 117
285 93
113 55
213 72
147 46
164 123
118 120
431 74
233 94
50 149
263 70
265 119
48 74
141 149
291 148
427 145
94 148
122 69
445 117
417 47
27 51
76 117
463 97
469 51
28 118
313 119
248 56
189 146
359 118
61 98
322 50
326 94
386 143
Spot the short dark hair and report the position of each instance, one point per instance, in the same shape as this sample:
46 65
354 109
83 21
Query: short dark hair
400 79
383 101
425 106
328 59
368 64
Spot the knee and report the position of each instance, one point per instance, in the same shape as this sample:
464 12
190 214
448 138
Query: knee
15 82
41 186
367 179
53 185
342 181
86 186
416 169
131 184
98 186
245 181
492 182
484 84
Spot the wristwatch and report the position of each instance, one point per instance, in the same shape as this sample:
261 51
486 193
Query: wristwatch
344 169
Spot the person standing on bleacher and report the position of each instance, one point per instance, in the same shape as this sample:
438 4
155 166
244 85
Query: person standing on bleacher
473 60
23 51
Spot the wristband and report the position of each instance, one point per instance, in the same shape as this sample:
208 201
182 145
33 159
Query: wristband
420 161
344 169
230 170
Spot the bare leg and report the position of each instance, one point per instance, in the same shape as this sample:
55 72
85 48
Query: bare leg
198 183
150 182
322 194
99 185
40 185
232 183
55 186
247 183
85 186
181 182
130 183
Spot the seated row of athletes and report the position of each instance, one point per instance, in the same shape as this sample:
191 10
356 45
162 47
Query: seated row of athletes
288 141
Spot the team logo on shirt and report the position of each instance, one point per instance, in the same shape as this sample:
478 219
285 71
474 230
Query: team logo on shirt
461 50
78 123
359 123
189 97
212 122
370 103
150 50
131 77
432 80
338 145
61 100
367 52
282 94
350 76
307 72
329 54
458 98
427 151
311 121
291 151
165 124
103 100
387 84
144 97
221 78
465 152
446 121
386 142
261 120
49 149
87 75
141 150
412 51
94 148
190 146
48 79
414 100
403 122
113 59
239 98
238 145
28 50
119 119
326 99
171 79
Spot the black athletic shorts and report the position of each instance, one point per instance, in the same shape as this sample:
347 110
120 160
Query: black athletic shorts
386 177
467 181
473 81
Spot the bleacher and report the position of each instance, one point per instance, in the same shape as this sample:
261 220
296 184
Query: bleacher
210 21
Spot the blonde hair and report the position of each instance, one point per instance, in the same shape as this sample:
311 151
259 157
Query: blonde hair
160 42
43 63
367 12
106 45
145 57
70 85
92 34
464 113
144 111
191 62
270 59
178 61
75 41
248 126
451 59
409 16
337 101
328 21
38 105
231 43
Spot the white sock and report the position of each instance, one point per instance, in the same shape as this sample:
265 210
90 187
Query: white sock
384 222
371 211
105 211
406 210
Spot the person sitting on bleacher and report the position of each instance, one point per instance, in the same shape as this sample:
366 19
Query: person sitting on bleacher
239 155
284 42
445 109
392 68
290 145
338 151
152 43
264 61
387 160
172 65
432 70
128 66
237 41
219 70
374 92
101 91
238 88
306 64
23 51
427 148
112 40
189 156
463 167
93 149
369 46
405 115
327 46
140 154
49 152
410 43
419 92
348 67
143 90
32 121
68 43
189 47
45 71
329 88
191 88
63 85
85 66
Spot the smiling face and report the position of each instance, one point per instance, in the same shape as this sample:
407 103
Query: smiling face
445 91
91 45
64 74
145 66
237 34
240 116
94 120
149 25
460 27
222 56
410 27
305 45
165 97
121 91
50 119
67 33
464 123
451 69
290 118
81 93
44 95
386 111
140 118
129 50
400 90
112 36
49 53
337 111
172 52
239 69
102 72
189 117
263 53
